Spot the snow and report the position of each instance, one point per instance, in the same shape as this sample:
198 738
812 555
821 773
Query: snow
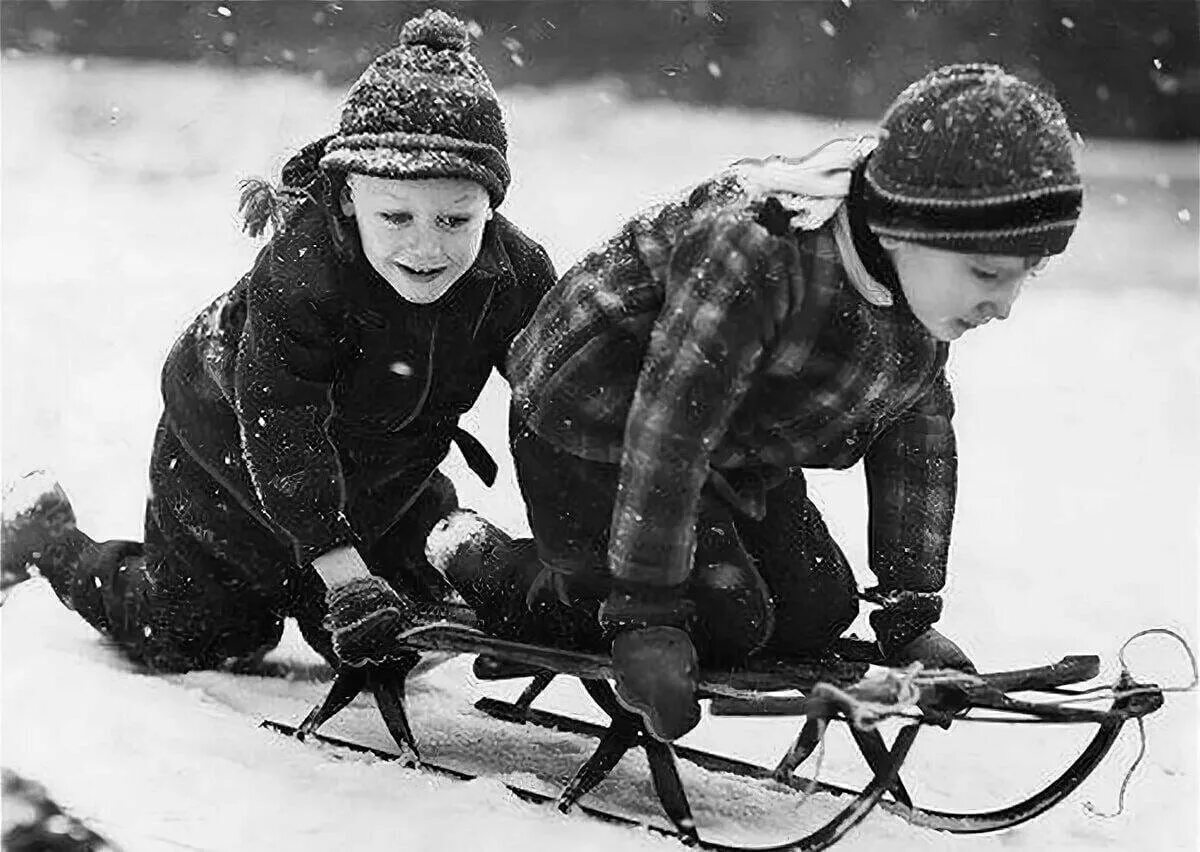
1077 421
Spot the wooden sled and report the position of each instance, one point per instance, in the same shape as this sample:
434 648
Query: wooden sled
839 688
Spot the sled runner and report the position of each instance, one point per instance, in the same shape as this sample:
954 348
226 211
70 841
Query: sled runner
844 687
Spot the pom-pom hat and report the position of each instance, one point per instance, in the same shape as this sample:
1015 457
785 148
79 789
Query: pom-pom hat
425 109
974 159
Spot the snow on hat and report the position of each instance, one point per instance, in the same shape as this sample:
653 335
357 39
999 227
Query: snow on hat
974 159
425 109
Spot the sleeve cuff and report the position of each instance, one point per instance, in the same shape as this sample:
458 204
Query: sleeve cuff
902 616
338 535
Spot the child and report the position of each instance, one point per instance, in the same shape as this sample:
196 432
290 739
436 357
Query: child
307 409
785 314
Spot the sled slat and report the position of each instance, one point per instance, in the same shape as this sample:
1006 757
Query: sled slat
1068 670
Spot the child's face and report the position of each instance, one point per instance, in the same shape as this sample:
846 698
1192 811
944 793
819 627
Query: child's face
420 235
952 292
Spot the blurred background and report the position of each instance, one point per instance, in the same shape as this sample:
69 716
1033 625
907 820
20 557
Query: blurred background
1121 68
126 126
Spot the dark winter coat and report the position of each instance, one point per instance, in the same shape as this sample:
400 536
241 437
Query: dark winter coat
709 344
321 400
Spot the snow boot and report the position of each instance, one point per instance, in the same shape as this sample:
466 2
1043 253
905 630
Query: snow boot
459 547
656 673
37 529
494 573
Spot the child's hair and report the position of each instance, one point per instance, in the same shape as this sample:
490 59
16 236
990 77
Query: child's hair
974 159
263 205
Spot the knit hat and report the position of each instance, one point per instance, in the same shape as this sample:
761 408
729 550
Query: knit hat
974 159
425 109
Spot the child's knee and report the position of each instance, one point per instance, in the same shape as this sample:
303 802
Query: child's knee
812 620
735 615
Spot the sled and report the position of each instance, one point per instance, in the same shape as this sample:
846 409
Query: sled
844 686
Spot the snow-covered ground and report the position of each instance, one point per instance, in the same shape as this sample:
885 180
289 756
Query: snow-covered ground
1078 500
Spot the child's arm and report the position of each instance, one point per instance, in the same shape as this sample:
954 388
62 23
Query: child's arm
912 476
724 294
283 380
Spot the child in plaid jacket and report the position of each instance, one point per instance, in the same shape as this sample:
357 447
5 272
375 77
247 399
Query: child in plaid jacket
786 314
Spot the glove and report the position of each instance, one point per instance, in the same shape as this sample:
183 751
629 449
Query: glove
934 651
655 667
366 618
656 673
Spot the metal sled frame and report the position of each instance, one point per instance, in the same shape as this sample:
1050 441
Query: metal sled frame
743 692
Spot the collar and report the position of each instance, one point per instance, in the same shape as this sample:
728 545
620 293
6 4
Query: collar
493 261
867 265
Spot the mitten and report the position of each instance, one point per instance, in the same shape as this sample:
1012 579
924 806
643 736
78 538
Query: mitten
366 617
655 668
656 673
933 651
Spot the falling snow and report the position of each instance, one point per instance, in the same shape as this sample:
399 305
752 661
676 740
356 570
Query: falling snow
1043 402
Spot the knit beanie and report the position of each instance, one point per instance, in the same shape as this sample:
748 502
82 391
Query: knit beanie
425 109
973 159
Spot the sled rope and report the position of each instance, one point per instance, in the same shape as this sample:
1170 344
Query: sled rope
873 699
814 782
1126 676
895 693
933 677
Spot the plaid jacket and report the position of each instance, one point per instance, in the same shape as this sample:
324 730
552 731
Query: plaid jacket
709 344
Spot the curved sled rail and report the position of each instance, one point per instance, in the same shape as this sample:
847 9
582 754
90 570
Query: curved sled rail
1122 710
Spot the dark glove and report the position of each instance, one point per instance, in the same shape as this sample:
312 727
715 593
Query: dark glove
933 651
655 668
656 673
366 618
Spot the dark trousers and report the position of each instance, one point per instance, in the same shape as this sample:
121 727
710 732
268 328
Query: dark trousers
211 585
812 590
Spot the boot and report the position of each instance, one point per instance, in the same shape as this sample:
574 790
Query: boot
458 546
37 529
494 573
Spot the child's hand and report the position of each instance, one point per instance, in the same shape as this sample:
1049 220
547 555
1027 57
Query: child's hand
934 651
656 672
366 618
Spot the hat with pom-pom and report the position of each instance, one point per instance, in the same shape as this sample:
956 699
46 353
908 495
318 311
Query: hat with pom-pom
974 159
425 109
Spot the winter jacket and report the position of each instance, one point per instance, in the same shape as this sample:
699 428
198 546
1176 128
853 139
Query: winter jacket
709 343
323 401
